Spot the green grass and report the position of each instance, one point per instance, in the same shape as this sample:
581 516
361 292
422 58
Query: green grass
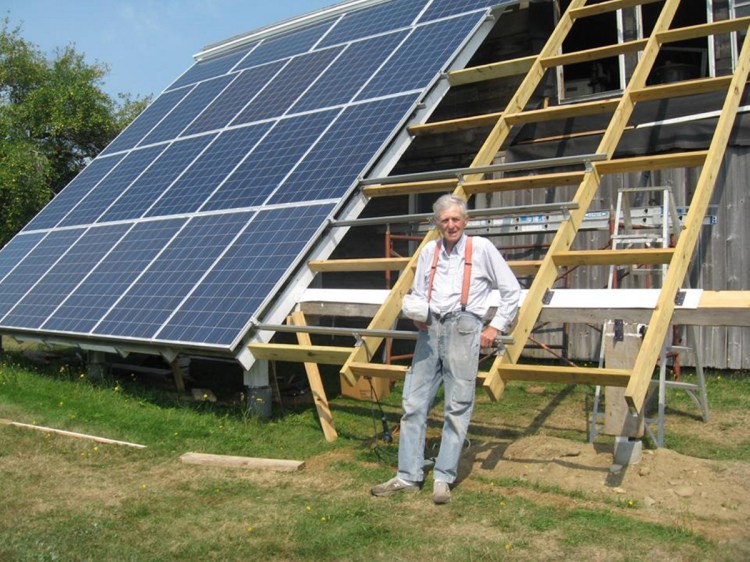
69 499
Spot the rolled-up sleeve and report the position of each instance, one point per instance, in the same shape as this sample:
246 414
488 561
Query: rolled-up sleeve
507 285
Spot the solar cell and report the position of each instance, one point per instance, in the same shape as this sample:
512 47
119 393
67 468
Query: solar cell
287 86
210 68
223 109
171 277
252 182
374 20
192 189
15 251
420 58
221 307
139 196
334 163
76 190
146 121
349 72
44 255
110 279
52 288
98 199
287 45
188 109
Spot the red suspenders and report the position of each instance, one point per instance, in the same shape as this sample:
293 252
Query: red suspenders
467 272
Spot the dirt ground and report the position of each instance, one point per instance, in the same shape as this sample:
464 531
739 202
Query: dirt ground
711 498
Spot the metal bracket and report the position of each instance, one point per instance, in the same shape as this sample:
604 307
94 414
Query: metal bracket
547 298
679 298
619 327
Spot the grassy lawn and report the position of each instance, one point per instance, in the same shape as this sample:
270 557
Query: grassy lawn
72 499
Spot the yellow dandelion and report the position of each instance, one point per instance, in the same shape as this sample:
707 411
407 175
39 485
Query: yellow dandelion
143 486
249 529
96 449
82 376
308 508
61 404
508 546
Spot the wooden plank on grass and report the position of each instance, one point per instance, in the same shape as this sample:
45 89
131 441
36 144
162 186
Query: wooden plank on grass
72 434
279 465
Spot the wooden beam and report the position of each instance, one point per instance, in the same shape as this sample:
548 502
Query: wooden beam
547 274
179 381
362 264
501 69
652 162
565 375
391 372
523 182
704 29
562 112
278 465
71 434
598 53
625 256
320 399
605 7
453 125
635 393
681 89
409 188
324 355
524 267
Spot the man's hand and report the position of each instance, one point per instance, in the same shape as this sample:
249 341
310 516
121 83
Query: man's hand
488 336
421 326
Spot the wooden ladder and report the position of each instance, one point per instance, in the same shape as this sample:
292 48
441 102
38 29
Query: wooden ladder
360 361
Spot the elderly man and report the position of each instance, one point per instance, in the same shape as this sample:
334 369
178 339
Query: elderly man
454 280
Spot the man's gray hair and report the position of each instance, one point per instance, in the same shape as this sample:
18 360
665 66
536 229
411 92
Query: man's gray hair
446 202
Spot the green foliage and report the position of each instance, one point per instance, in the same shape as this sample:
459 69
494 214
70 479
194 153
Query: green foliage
54 118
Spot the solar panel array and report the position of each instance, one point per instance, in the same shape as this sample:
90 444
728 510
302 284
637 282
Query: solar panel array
181 229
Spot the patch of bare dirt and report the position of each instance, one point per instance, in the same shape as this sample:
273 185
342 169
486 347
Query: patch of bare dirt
710 498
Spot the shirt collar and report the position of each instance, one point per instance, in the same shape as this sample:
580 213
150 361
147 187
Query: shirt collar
458 248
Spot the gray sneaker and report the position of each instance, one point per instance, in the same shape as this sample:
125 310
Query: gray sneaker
441 492
393 486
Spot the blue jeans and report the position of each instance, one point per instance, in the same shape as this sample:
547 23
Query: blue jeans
448 353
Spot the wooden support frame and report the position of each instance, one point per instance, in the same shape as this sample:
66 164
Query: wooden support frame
635 393
297 318
545 277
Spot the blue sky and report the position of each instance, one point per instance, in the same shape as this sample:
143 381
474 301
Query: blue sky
145 43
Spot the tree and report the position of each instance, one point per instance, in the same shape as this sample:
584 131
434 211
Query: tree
54 118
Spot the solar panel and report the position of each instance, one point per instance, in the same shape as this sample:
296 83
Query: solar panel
184 229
